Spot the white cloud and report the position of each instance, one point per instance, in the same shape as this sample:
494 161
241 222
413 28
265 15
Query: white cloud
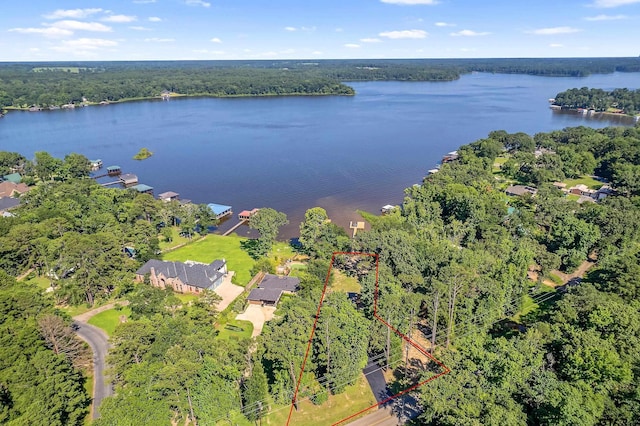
216 40
352 45
197 3
154 19
159 40
411 2
84 46
554 31
316 52
119 18
404 34
444 24
290 28
469 33
613 3
72 13
47 31
370 40
287 51
139 28
339 30
556 45
605 17
144 1
300 28
213 52
34 49
81 26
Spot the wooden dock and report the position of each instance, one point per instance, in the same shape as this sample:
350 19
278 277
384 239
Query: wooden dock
117 182
236 226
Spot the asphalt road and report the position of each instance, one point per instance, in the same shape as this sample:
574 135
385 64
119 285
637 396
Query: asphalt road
99 343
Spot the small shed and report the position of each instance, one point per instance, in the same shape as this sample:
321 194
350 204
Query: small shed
220 210
128 179
143 189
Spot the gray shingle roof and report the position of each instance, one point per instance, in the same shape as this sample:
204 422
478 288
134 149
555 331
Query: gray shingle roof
269 295
7 203
271 281
191 273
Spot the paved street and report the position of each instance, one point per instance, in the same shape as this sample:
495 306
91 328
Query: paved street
99 343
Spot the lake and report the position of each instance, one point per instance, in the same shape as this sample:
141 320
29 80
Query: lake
294 153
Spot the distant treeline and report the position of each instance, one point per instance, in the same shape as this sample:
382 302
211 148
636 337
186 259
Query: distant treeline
54 84
625 100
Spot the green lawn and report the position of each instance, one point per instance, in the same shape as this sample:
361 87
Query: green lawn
573 197
175 241
108 320
236 329
343 283
42 282
356 398
88 386
186 297
217 247
497 164
585 180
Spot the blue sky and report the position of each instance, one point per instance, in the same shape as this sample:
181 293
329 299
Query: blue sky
62 30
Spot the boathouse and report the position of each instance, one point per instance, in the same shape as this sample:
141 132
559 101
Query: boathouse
220 210
451 156
113 170
246 214
387 209
143 189
96 164
168 196
128 179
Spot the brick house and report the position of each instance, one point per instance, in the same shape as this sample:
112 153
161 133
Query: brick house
184 277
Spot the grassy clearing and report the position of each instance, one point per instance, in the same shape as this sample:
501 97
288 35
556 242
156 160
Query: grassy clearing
176 240
584 180
357 397
573 197
343 283
497 164
236 329
88 387
41 281
216 247
186 297
109 319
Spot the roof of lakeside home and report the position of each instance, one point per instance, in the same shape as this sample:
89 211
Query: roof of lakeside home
192 273
282 283
7 203
128 176
520 190
13 177
110 168
7 188
269 295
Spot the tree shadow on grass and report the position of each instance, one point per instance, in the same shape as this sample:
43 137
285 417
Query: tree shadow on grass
251 247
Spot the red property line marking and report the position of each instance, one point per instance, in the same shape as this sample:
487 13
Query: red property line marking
445 369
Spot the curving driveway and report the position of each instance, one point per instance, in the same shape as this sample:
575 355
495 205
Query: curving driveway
99 343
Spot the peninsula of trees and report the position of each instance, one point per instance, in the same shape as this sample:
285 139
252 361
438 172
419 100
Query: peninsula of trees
532 301
623 101
47 85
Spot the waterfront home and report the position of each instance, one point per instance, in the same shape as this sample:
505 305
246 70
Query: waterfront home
128 179
582 189
271 289
143 189
246 214
220 210
13 177
432 171
184 277
6 204
11 189
168 196
520 190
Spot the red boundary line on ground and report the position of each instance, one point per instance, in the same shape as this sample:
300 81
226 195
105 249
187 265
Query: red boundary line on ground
445 369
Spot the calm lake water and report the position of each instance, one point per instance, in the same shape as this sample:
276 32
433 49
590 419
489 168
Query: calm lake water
293 153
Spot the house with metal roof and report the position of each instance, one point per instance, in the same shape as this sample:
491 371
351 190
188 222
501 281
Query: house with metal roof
271 289
184 277
143 189
168 196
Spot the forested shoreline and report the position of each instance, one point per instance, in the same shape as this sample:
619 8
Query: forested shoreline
45 85
622 100
472 269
